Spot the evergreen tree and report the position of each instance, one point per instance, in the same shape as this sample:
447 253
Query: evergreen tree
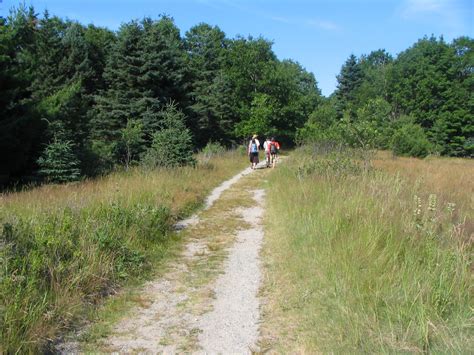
58 163
146 68
20 127
172 144
119 102
348 81
163 72
210 92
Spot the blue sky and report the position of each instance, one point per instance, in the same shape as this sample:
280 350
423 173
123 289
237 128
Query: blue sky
319 34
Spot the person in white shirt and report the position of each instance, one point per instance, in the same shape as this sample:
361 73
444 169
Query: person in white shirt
266 148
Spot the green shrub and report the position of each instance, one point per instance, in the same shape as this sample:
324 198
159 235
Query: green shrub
58 163
47 259
411 140
213 148
172 145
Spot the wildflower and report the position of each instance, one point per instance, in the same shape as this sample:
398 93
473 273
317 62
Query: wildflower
450 207
432 203
417 210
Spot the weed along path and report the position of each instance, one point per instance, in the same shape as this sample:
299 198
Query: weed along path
207 300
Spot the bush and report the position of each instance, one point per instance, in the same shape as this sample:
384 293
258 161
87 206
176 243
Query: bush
58 163
208 152
212 148
410 140
172 145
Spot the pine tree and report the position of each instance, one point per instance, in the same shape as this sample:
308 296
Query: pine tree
21 129
172 144
210 91
58 164
348 81
146 68
118 103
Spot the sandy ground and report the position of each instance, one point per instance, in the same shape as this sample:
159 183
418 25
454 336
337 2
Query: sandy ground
229 324
232 325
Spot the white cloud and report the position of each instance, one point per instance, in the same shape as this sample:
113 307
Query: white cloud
413 8
281 19
325 25
315 23
444 12
320 24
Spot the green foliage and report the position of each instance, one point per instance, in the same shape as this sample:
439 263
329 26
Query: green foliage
213 148
432 82
261 116
321 125
93 82
375 115
53 105
411 140
58 163
210 95
132 141
348 81
172 144
65 252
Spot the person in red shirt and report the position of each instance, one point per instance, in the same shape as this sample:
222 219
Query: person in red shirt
274 149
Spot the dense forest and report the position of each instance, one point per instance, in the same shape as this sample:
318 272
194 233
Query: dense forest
419 103
81 100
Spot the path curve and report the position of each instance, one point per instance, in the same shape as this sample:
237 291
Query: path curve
229 322
213 197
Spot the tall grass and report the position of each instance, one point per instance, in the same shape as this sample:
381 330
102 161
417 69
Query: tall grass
370 261
65 247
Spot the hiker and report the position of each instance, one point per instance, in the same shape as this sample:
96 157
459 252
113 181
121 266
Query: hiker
274 149
266 147
252 151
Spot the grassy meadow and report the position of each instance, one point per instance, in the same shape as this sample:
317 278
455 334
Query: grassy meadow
63 248
369 260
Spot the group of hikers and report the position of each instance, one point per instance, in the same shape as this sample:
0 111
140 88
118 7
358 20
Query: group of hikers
271 148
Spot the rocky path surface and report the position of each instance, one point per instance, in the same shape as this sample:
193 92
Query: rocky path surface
207 301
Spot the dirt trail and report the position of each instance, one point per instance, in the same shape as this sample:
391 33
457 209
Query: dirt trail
232 326
207 302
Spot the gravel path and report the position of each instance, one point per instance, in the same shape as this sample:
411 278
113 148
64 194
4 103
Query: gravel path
232 326
225 319
213 197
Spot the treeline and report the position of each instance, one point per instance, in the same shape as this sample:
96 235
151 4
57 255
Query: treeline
79 100
419 103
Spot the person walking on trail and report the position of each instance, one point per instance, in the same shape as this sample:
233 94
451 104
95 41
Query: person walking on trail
252 151
266 148
274 149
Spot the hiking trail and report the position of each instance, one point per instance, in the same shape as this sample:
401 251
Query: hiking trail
207 300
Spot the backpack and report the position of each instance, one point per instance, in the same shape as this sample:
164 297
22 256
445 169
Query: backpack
253 148
273 148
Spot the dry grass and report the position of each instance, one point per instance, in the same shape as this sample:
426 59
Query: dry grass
369 262
450 179
176 187
65 247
